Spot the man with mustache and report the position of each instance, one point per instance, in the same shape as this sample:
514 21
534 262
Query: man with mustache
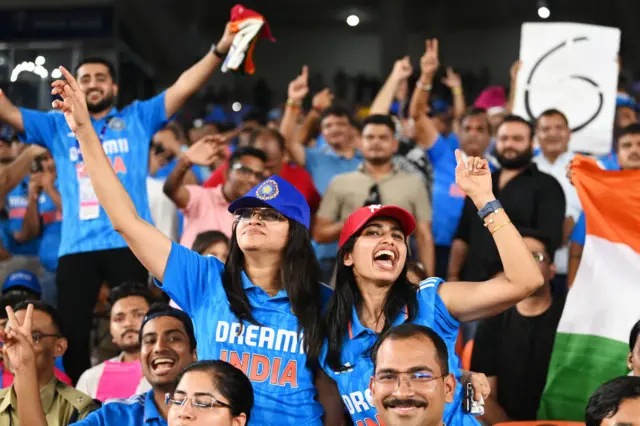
628 153
91 251
553 135
534 200
168 345
121 376
411 381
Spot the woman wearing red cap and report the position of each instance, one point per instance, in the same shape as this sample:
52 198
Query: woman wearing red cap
372 294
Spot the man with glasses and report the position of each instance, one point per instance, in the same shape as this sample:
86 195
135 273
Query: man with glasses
513 349
61 403
411 381
168 345
206 209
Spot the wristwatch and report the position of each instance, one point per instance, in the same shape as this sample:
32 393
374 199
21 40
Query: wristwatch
218 53
489 208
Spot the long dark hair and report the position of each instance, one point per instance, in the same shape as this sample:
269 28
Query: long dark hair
300 276
230 382
347 295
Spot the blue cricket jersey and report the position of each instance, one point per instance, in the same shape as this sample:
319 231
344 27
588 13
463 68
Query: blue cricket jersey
16 205
353 383
270 354
51 222
125 137
135 411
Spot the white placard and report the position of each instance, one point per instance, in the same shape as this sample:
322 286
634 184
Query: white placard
573 68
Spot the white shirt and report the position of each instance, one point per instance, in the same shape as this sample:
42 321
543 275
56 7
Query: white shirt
163 212
558 170
89 380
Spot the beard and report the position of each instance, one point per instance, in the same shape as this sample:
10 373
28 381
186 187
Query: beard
102 105
520 161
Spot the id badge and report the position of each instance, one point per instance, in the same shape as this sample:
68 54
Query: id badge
89 204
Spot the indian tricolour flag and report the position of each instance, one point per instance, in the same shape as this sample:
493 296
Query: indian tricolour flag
592 342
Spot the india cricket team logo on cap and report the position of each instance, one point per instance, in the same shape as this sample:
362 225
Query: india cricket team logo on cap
268 190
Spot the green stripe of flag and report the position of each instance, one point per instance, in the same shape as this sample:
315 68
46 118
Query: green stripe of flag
579 364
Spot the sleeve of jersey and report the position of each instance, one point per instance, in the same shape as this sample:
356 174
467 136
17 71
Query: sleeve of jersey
39 127
438 150
98 418
443 323
191 279
579 234
311 155
152 114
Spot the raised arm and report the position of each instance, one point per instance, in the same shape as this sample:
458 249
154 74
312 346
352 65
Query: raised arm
204 152
468 301
454 82
321 101
15 172
10 114
298 89
149 245
513 73
426 133
31 221
195 77
401 71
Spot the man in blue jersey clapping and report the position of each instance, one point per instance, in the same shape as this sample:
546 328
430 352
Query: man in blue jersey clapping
91 251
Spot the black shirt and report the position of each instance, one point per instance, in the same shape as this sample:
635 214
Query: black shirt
517 350
532 199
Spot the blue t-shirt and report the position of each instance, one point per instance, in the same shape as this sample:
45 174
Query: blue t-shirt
51 218
135 411
579 233
125 137
270 354
16 205
353 383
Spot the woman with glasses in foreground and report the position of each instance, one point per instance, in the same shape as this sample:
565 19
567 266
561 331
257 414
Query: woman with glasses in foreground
261 310
373 293
211 393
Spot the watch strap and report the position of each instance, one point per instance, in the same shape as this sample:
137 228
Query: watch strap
489 208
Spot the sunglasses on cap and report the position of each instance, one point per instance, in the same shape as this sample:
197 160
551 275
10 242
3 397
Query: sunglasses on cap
264 215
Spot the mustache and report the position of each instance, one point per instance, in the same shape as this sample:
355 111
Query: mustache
129 330
395 402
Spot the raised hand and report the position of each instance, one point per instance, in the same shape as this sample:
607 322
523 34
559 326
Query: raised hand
18 344
402 69
73 104
36 184
515 69
480 384
299 87
226 40
429 62
452 79
207 150
474 178
322 100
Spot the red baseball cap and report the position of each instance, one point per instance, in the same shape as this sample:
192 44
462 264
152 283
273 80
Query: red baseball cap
360 217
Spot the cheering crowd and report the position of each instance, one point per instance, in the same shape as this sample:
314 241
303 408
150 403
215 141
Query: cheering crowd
301 287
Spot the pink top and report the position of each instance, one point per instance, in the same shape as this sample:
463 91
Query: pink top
206 211
119 380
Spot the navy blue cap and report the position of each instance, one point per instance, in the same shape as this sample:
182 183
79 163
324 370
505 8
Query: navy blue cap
22 279
278 194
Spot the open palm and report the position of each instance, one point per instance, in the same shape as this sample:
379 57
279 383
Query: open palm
473 176
18 343
73 104
207 150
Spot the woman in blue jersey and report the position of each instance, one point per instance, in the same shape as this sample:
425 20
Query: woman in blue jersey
373 294
261 311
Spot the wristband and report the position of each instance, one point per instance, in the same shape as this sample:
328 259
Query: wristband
293 104
317 109
456 91
425 87
218 53
489 208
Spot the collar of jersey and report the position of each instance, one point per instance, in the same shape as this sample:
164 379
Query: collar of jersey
356 328
247 285
150 410
112 112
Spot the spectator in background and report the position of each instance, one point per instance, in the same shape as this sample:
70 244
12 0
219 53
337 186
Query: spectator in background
377 182
272 143
163 211
121 377
168 141
513 349
615 403
206 209
33 339
215 384
338 155
212 243
626 115
634 351
417 355
493 100
553 135
628 153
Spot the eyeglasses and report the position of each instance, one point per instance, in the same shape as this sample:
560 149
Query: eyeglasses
37 337
417 380
248 171
200 402
264 215
539 256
